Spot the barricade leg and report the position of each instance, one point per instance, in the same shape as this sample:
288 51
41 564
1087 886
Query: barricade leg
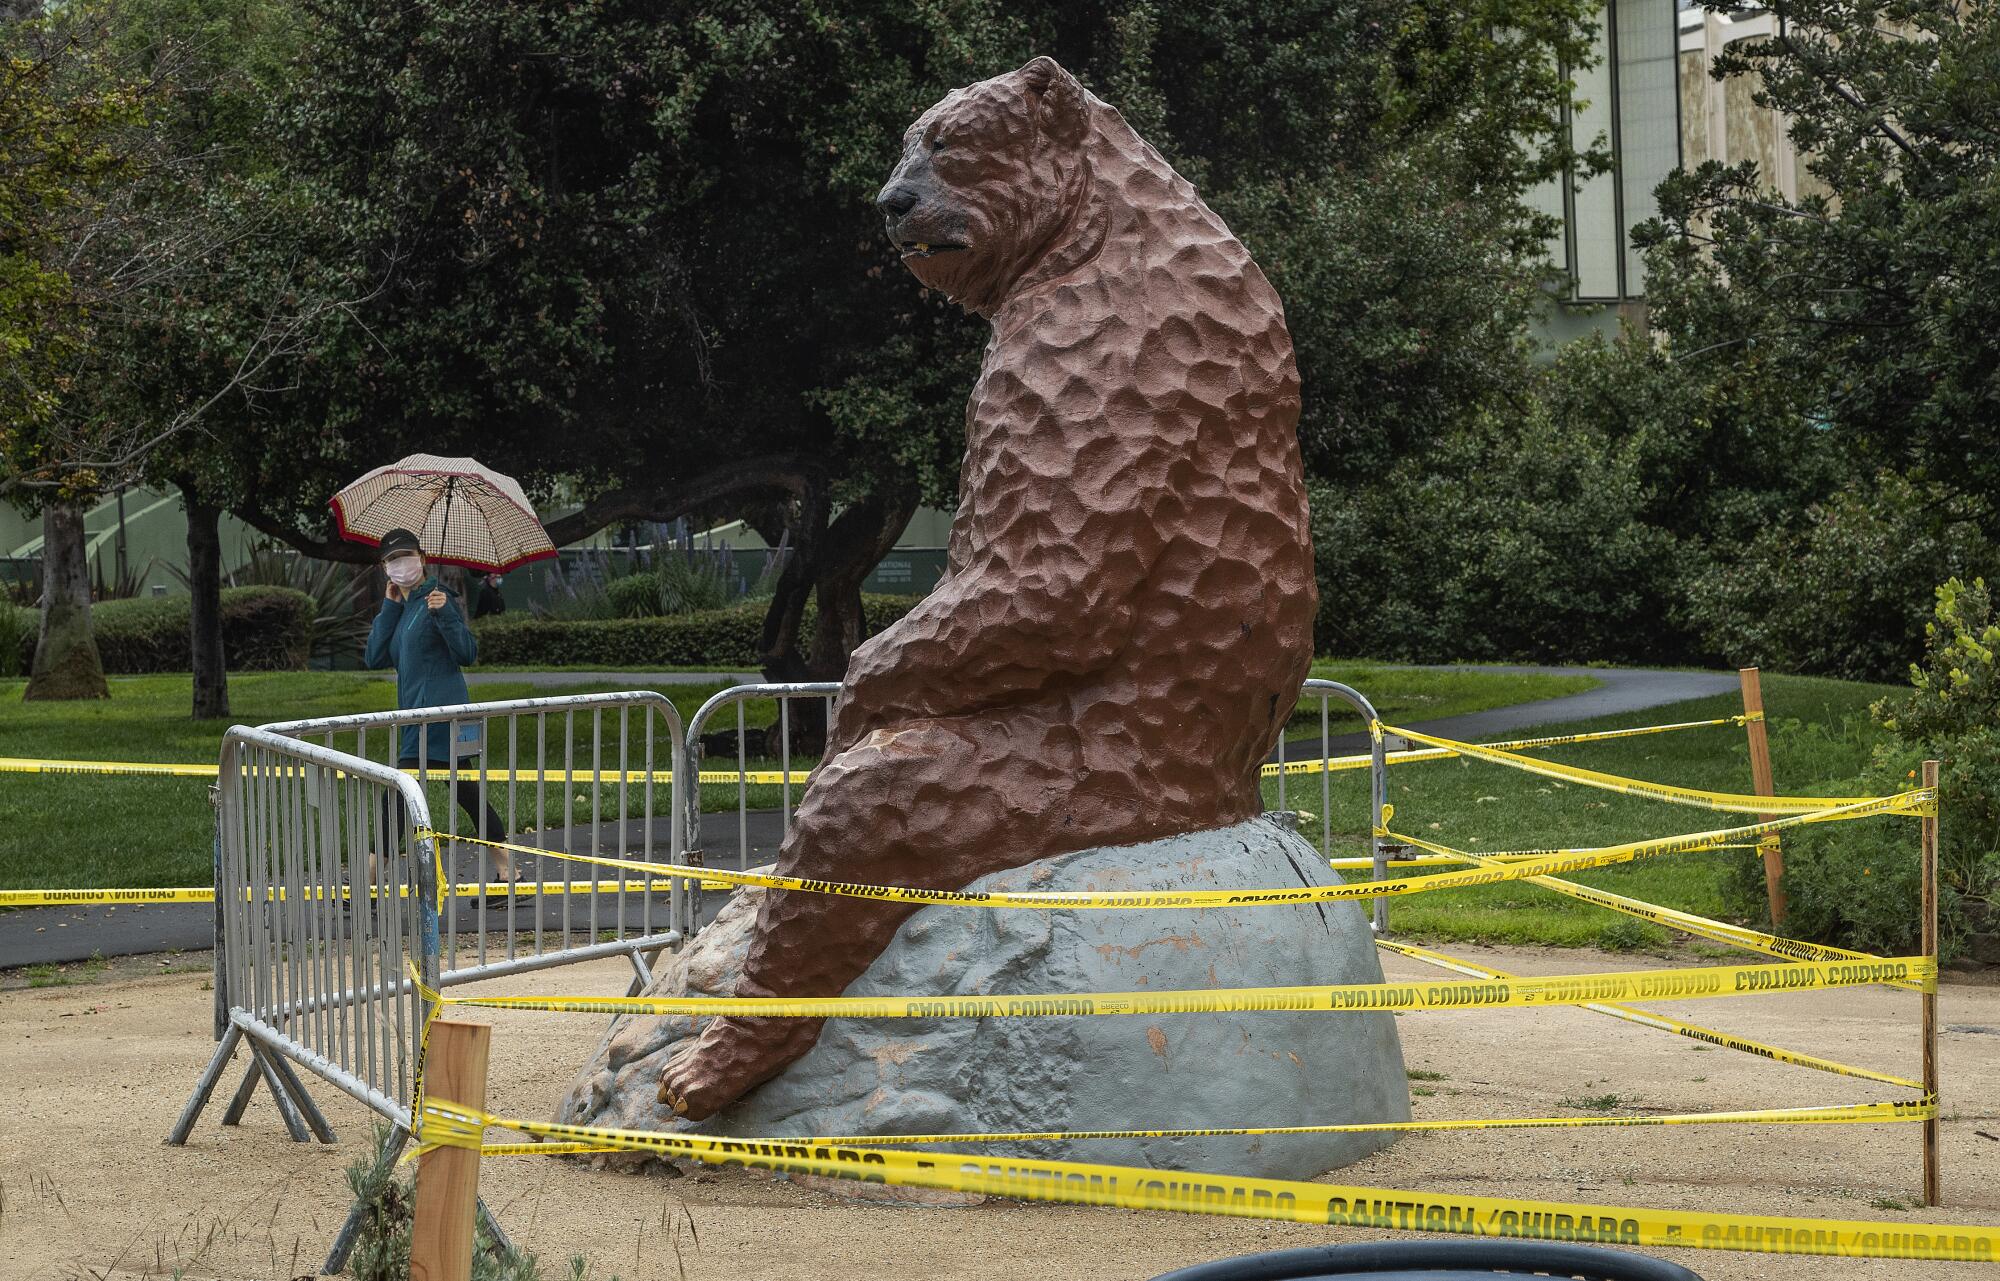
203 1088
314 1118
253 1072
642 977
294 1123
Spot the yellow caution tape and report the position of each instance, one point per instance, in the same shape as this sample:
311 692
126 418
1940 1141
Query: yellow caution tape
1336 764
1531 863
1835 1114
71 898
26 765
204 894
1694 983
1686 922
1731 801
1363 863
1660 1022
1831 1114
446 1124
1545 863
197 769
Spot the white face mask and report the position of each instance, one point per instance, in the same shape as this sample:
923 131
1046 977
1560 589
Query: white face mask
405 571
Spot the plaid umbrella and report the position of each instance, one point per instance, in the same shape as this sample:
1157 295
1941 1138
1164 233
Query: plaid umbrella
462 513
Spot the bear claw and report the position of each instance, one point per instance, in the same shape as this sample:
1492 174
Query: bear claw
728 1059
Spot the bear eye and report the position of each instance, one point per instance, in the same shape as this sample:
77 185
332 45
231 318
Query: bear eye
938 144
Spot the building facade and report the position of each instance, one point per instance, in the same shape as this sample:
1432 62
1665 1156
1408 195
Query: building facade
1630 102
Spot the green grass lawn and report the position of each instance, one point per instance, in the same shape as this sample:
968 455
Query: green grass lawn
80 831
1820 740
64 831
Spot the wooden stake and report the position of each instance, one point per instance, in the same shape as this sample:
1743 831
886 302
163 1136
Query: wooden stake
448 1178
1933 1190
1760 778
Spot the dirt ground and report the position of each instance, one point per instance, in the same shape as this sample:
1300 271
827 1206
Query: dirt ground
92 1076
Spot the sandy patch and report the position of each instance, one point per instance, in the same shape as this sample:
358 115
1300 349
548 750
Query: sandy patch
95 1074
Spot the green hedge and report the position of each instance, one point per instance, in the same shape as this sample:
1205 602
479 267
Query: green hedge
708 638
264 629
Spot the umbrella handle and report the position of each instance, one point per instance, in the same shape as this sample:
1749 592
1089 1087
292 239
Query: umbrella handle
444 528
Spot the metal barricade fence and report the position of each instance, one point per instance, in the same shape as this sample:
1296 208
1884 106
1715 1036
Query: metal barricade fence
1324 692
759 833
324 898
740 696
328 895
583 774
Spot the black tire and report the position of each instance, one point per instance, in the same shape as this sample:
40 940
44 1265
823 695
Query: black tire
1437 1261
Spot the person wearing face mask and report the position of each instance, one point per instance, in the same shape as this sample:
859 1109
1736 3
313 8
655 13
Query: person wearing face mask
421 632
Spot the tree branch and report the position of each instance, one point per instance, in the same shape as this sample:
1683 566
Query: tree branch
780 473
1876 119
777 474
325 549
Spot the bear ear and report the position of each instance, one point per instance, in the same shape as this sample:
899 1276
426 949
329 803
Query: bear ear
1059 110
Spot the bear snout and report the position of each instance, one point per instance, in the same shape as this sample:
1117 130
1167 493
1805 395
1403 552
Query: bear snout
897 199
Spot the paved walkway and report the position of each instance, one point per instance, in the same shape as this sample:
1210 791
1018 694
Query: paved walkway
639 680
44 935
1622 693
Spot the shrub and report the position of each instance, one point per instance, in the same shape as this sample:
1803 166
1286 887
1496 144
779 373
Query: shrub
1846 593
708 638
635 595
263 629
691 581
650 582
343 604
381 1247
1857 884
1507 541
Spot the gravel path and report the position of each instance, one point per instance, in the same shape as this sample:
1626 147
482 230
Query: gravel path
639 680
96 1074
1623 692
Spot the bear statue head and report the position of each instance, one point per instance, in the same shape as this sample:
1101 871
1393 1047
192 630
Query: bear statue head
991 179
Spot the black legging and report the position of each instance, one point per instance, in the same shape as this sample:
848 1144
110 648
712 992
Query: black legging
465 791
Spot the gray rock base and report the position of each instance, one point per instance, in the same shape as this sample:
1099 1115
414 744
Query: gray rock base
1178 1071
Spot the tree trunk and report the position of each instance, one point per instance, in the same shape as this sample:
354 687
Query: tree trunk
829 565
67 664
805 524
854 545
211 676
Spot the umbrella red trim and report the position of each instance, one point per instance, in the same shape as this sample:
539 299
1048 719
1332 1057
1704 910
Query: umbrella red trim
490 567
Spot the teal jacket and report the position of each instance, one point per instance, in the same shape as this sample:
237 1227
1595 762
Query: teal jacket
427 647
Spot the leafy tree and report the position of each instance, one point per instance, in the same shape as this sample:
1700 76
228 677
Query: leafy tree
69 115
64 111
1846 591
1875 297
225 337
1519 536
155 331
634 248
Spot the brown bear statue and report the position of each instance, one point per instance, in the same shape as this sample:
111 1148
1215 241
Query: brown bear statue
1126 615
